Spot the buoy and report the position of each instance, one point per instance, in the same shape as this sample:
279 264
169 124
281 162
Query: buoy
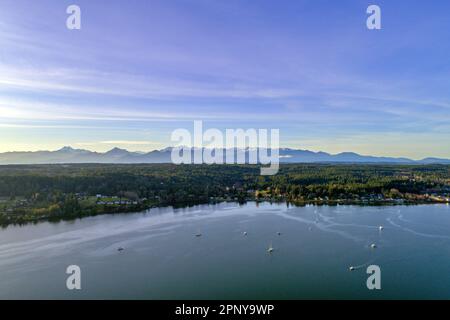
373 245
381 228
351 268
120 249
245 233
279 233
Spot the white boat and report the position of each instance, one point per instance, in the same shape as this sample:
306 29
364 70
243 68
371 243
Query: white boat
270 249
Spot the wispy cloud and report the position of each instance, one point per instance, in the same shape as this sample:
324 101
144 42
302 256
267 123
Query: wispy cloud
120 142
74 81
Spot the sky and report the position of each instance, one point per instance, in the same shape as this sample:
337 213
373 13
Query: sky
139 69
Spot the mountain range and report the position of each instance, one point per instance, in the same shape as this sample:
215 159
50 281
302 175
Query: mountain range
117 155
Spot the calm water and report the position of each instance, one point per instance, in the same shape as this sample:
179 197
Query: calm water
163 259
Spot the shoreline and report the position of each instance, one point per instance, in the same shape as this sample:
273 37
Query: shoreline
330 203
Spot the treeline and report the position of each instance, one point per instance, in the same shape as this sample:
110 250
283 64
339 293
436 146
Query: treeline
63 191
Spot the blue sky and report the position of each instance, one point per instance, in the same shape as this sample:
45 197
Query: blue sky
139 69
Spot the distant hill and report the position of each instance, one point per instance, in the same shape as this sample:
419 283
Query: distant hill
117 155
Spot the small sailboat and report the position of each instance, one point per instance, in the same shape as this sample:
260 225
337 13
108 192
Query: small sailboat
198 234
120 249
351 268
270 249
